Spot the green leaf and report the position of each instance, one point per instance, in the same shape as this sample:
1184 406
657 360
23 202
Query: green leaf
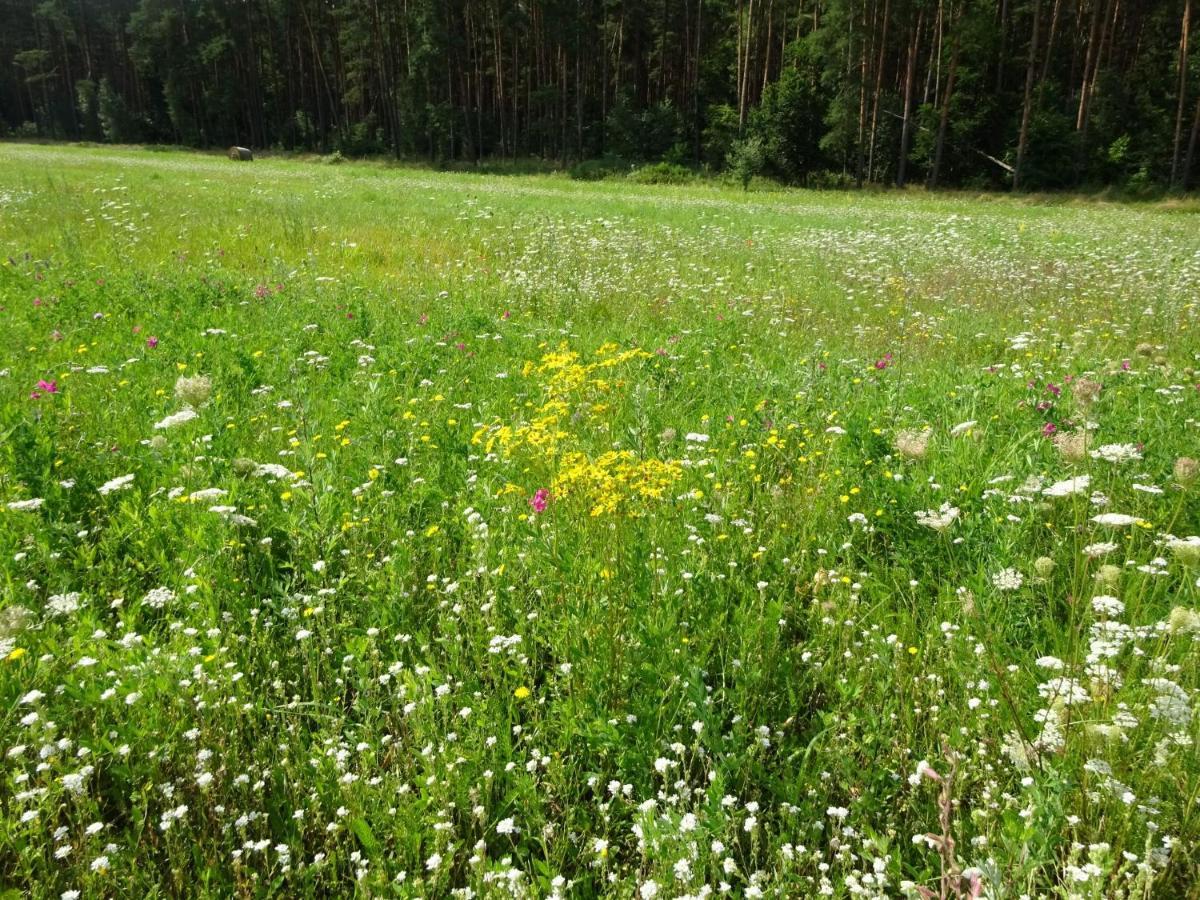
365 836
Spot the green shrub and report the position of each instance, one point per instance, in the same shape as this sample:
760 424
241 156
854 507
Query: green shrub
661 173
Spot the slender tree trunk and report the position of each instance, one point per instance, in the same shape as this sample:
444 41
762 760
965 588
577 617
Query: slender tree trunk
1181 91
878 90
1027 106
906 128
1186 175
944 117
1087 66
1050 39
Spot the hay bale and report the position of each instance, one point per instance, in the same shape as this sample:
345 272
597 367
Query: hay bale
241 154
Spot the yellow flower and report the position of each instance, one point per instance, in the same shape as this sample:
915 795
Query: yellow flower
521 693
15 654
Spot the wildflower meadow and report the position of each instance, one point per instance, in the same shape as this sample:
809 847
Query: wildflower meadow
381 532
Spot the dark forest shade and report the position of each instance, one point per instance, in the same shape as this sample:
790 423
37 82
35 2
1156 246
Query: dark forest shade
984 93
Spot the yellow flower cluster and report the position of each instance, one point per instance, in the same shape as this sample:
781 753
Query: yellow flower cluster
605 482
612 478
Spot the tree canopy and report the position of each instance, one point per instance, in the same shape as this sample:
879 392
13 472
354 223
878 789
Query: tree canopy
1037 94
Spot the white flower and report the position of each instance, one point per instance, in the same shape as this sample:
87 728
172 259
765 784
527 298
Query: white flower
26 505
63 604
117 484
1066 488
693 437
179 418
1115 520
1008 580
207 494
1116 452
1101 548
507 826
1186 550
648 890
271 470
938 519
683 869
158 597
1105 605
962 428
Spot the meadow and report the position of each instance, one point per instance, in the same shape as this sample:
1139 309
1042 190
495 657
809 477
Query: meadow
380 532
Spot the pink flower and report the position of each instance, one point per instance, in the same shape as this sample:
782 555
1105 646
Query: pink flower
152 342
507 315
1124 365
1049 429
540 500
47 387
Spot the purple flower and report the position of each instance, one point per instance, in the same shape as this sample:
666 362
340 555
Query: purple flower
152 342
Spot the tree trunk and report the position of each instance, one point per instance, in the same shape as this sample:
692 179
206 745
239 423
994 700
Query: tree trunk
1027 106
878 90
1186 176
944 117
1181 91
906 128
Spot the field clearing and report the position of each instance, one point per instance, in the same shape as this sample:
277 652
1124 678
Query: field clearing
385 532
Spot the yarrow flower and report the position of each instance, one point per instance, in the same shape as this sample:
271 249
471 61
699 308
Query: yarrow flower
1116 453
186 414
938 519
63 604
30 505
1115 520
1066 488
116 484
158 597
1008 580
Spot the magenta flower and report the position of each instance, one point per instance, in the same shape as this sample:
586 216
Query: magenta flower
152 342
540 500
1049 429
47 387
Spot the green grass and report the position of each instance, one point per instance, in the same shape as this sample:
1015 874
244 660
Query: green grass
719 652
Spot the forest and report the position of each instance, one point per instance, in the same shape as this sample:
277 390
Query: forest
981 94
